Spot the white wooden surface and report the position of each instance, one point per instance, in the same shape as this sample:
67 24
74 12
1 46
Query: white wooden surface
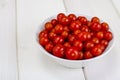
33 65
8 63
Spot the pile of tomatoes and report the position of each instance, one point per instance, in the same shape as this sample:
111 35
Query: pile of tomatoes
75 37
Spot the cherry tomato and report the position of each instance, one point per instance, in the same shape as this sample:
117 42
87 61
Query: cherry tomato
72 17
95 40
49 46
48 26
54 22
82 19
65 28
100 35
78 44
64 20
64 34
101 46
95 19
96 51
58 28
74 26
85 28
72 53
87 55
88 45
58 40
52 35
43 41
71 38
104 26
58 50
43 33
83 36
95 26
59 16
104 42
76 32
108 35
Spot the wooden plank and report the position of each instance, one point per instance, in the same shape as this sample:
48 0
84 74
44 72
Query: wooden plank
8 63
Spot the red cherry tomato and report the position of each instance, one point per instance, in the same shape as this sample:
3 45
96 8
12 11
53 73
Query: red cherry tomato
52 35
48 26
64 34
100 35
84 36
95 26
58 40
72 17
78 44
75 25
71 38
72 53
87 55
88 45
43 41
96 51
95 40
58 28
85 28
49 46
95 19
104 26
104 42
43 33
59 16
58 51
82 19
64 20
108 35
76 32
54 22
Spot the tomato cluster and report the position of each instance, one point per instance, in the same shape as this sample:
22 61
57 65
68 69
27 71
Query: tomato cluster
75 37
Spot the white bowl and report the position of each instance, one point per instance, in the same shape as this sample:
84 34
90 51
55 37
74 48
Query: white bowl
72 63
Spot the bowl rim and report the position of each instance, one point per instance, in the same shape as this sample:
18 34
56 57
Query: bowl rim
107 50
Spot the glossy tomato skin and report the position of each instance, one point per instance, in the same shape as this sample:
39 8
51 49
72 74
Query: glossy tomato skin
100 35
95 40
43 41
49 46
43 33
65 20
82 19
54 22
84 36
58 50
52 35
88 45
104 26
80 55
58 40
72 17
85 28
72 53
87 55
71 38
96 51
48 26
78 44
60 16
95 26
75 25
65 34
108 35
95 19
58 29
104 42
67 45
